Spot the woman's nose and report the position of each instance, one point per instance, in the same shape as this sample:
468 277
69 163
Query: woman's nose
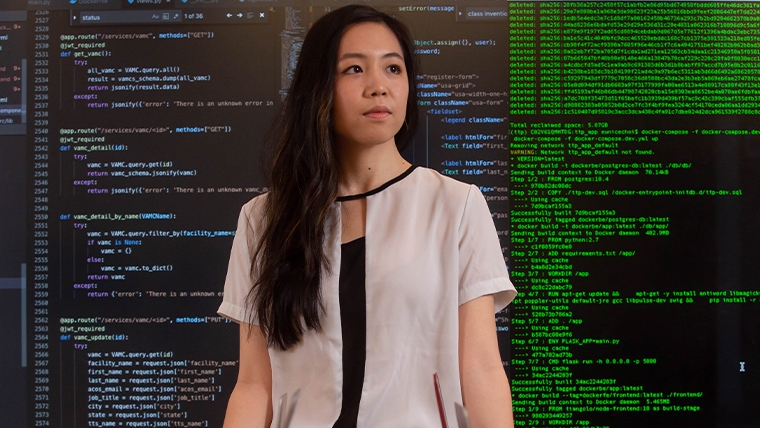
379 91
375 85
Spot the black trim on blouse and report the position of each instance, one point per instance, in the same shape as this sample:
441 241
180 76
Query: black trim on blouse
353 325
379 189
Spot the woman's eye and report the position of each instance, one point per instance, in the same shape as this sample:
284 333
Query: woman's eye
395 69
353 69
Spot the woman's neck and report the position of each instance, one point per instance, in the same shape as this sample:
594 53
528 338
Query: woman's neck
365 169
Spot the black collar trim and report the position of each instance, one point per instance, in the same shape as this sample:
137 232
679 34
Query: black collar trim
379 189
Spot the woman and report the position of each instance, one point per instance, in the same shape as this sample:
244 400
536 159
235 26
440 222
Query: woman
358 276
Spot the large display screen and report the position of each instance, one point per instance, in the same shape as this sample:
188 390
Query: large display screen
617 144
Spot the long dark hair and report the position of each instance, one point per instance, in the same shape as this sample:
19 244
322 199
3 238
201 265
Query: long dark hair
289 258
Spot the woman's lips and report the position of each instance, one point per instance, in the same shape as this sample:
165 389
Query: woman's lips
379 112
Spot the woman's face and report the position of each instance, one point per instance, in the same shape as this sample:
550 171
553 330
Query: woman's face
371 86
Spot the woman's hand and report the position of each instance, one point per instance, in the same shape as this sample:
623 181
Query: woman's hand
250 404
485 388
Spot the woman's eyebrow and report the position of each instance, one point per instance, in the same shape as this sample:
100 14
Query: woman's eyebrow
349 55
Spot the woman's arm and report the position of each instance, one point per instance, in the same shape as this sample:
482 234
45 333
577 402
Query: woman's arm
250 404
485 389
